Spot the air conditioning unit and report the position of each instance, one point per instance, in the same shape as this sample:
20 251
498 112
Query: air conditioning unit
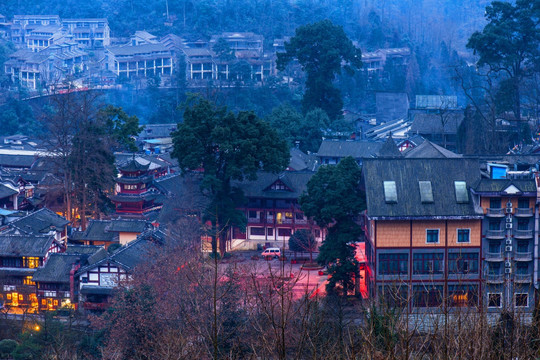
508 219
507 264
509 205
508 225
508 270
508 241
508 248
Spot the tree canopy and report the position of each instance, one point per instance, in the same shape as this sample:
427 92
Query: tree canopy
227 147
321 49
334 200
509 44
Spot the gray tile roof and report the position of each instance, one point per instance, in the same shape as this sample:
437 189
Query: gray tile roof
95 231
295 181
6 191
424 123
39 222
406 173
24 245
139 50
427 149
57 268
389 149
82 249
127 225
356 149
498 185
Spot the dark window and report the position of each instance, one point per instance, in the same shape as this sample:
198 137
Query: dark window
11 262
522 268
494 268
494 246
463 295
427 296
284 232
463 263
463 235
428 263
256 231
394 295
495 203
522 300
270 231
522 246
432 236
494 300
252 214
494 225
523 224
299 216
523 203
393 264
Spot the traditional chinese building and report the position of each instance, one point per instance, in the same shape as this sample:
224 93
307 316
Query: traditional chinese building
134 193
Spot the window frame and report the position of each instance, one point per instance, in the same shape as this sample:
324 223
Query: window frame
515 300
468 230
500 294
438 236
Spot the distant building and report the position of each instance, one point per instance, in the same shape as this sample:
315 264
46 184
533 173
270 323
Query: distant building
374 62
139 61
23 25
88 33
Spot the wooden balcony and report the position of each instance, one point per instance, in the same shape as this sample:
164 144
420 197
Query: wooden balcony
523 278
523 256
523 212
494 256
495 234
495 279
523 234
495 212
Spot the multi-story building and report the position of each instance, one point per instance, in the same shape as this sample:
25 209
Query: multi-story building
509 242
88 33
23 25
44 36
423 232
272 210
139 61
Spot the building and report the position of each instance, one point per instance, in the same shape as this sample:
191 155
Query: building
39 223
20 256
134 193
272 210
88 33
108 232
144 60
509 242
423 232
374 62
332 151
44 36
23 25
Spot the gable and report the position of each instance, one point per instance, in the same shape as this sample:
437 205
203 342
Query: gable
512 189
278 185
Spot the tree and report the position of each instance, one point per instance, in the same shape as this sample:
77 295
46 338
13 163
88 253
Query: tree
227 147
334 200
321 49
510 43
121 127
303 240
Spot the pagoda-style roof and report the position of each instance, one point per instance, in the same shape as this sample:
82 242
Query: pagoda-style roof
133 198
132 165
145 179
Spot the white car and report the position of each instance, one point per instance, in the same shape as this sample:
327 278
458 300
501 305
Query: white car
271 253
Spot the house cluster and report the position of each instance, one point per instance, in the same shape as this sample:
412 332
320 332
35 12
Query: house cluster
53 51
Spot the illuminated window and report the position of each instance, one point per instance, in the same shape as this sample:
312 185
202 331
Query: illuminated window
31 262
8 296
55 302
43 302
28 281
21 297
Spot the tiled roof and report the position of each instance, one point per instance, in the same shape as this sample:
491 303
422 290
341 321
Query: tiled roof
356 149
406 174
295 181
498 185
127 225
427 149
24 245
57 268
39 222
138 49
424 123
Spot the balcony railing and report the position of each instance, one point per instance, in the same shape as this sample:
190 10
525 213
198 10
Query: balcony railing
495 212
494 256
495 279
523 256
523 212
523 234
254 220
495 234
523 278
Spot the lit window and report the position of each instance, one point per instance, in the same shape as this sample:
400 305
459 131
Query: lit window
463 235
432 236
28 281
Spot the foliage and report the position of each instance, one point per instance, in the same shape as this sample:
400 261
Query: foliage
6 347
334 200
121 127
302 241
227 147
510 44
321 48
17 117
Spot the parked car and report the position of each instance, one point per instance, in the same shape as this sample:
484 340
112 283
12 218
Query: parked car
271 253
